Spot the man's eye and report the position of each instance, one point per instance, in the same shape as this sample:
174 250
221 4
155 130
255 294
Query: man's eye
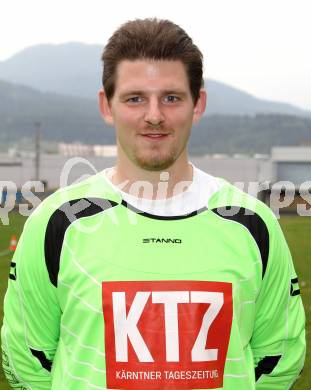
134 99
171 98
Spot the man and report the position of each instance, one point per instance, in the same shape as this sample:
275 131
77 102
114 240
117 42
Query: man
152 274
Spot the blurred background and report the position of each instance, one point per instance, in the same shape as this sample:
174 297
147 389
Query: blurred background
256 130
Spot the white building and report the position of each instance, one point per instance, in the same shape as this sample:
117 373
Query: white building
260 175
292 164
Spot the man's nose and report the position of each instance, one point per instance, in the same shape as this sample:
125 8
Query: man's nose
154 114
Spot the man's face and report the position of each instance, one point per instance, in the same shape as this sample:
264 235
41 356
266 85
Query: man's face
153 112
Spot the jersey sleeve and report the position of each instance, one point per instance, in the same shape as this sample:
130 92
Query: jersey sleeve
30 330
278 341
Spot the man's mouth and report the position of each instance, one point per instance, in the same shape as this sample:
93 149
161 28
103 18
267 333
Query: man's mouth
155 136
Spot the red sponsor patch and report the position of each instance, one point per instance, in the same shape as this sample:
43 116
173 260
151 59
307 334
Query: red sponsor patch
166 334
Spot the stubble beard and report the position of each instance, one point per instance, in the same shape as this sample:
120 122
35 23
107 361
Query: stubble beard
155 162
155 159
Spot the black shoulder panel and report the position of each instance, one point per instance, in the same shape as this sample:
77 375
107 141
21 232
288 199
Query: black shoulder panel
254 223
58 223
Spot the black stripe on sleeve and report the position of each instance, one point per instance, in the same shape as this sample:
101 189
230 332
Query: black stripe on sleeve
266 365
45 363
294 287
12 274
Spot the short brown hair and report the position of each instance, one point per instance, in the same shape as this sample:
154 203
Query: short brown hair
153 39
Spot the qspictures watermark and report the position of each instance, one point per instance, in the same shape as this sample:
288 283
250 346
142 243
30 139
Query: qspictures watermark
278 195
9 193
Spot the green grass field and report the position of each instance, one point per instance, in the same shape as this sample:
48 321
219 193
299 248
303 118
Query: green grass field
297 231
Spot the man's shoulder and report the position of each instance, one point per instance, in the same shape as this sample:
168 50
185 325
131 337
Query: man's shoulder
92 189
231 200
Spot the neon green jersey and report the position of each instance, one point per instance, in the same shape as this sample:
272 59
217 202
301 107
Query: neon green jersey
102 295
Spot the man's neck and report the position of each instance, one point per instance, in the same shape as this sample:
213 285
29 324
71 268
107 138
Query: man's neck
153 184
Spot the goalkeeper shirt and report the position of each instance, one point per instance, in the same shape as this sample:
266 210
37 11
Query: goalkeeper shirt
103 294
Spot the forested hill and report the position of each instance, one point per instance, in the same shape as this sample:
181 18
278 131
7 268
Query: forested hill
75 69
70 119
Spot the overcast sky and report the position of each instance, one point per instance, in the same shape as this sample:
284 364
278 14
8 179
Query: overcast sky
260 46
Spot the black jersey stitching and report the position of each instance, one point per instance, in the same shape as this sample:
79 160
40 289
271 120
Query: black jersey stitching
162 217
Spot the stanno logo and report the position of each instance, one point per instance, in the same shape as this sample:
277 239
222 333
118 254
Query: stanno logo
162 240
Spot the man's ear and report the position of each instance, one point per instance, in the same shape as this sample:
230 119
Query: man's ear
104 107
200 106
